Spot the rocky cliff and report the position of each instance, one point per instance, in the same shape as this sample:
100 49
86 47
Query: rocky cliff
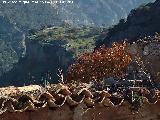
141 22
47 51
40 64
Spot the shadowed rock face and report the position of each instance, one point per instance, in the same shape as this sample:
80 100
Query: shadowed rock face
40 63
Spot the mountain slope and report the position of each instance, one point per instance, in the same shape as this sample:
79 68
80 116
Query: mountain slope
12 45
29 16
81 12
98 12
141 22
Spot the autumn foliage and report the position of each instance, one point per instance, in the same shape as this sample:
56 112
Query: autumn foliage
103 62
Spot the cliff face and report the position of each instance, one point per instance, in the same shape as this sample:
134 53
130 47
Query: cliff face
141 22
15 20
40 64
21 60
47 51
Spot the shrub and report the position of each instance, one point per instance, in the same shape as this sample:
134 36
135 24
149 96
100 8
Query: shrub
103 62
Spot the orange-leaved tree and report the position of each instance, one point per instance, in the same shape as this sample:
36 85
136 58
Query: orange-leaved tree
103 62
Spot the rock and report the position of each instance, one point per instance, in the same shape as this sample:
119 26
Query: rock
40 64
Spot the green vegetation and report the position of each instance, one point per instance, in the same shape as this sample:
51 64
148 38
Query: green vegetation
30 16
78 40
7 57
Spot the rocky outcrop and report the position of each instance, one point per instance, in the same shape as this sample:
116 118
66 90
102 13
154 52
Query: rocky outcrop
40 64
141 22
